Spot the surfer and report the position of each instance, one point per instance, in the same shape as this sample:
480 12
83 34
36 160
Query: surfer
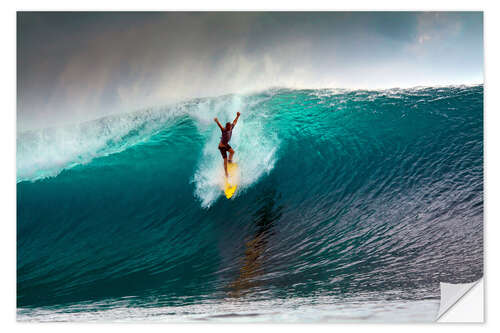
224 146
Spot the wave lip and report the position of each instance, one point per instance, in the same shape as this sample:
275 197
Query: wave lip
46 152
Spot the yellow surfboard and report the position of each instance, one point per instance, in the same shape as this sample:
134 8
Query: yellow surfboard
231 182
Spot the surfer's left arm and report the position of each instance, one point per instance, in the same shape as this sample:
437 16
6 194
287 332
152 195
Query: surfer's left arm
236 119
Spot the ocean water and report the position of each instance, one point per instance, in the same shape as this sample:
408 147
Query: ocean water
353 205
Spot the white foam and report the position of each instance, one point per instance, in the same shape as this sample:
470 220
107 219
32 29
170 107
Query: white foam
45 153
363 308
255 148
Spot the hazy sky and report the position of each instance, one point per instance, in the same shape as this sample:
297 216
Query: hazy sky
78 66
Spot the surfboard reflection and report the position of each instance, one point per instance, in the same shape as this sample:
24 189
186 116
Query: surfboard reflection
253 260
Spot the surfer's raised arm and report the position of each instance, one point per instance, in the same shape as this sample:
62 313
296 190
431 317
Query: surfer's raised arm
220 126
236 119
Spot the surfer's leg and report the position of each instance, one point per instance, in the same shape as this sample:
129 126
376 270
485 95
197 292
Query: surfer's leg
223 152
231 153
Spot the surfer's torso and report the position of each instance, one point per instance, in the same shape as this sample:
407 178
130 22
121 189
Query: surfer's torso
226 136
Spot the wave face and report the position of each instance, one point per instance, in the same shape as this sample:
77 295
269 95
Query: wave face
351 194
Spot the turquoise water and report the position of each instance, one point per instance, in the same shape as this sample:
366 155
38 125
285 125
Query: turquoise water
346 197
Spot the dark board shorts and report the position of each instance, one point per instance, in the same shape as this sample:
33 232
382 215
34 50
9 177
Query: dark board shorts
224 149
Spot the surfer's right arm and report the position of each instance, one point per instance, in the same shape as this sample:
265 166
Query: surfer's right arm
220 126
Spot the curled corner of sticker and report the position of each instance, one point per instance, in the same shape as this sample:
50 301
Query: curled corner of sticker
451 294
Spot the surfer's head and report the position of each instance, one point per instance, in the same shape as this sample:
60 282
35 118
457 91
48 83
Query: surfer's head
228 126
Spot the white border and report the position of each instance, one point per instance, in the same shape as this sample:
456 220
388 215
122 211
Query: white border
8 203
254 5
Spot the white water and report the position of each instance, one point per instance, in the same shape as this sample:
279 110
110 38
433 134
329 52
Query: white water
291 310
46 152
255 148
